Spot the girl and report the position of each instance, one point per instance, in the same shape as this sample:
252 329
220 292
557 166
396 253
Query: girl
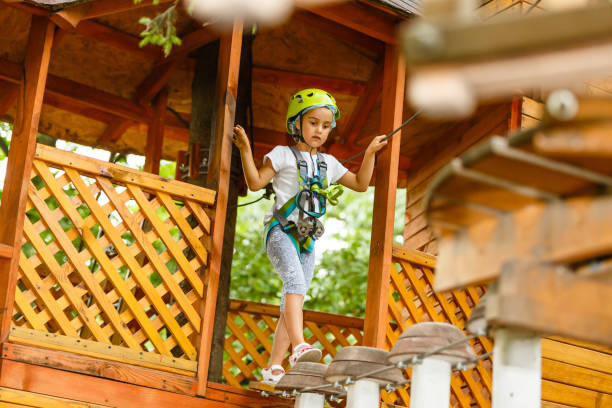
293 224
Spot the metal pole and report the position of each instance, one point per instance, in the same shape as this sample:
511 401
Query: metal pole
309 400
430 386
517 369
363 394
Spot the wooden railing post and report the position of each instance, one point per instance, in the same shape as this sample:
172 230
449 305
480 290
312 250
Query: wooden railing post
394 77
219 178
19 166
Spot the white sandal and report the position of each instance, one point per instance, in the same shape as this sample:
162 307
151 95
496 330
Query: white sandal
304 352
268 374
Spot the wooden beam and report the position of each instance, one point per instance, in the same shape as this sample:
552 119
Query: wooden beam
9 93
191 42
117 39
362 18
114 131
218 178
70 17
11 72
364 106
373 47
387 163
19 166
101 8
154 82
562 232
27 8
298 80
155 135
532 297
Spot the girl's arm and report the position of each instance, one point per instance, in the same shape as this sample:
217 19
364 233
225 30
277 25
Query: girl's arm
256 179
361 180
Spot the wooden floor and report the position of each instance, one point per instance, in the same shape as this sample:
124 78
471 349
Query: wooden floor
29 385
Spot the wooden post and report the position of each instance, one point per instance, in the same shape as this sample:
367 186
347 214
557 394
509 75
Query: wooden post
394 78
218 177
19 166
155 135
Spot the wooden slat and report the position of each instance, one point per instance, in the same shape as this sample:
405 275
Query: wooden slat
200 215
384 201
84 314
187 231
414 256
160 267
131 263
28 312
299 80
576 376
19 165
75 259
93 167
109 269
573 396
97 349
164 233
43 293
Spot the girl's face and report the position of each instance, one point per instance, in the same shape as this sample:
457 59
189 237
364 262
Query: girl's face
317 125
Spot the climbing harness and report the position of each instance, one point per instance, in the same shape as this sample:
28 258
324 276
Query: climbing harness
311 202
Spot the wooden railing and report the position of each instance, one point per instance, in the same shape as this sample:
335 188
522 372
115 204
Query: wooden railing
113 263
250 329
412 300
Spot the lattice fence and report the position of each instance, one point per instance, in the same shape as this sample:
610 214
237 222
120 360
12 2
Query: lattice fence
412 300
250 329
113 262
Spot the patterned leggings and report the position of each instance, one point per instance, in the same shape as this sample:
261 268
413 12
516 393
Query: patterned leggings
294 270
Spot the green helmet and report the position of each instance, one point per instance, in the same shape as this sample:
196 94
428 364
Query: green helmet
309 99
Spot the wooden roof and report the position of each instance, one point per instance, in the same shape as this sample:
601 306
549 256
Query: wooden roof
100 82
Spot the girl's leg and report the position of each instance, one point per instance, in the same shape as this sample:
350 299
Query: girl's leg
280 343
294 318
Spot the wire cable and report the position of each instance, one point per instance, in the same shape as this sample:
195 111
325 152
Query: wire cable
410 119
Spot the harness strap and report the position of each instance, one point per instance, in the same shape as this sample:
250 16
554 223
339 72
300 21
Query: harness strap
280 218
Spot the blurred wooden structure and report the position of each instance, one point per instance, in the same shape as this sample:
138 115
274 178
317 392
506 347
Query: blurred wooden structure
109 275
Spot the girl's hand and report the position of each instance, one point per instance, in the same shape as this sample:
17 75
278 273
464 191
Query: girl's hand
240 138
376 144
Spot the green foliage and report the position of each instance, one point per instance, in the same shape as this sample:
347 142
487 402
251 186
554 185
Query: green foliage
161 29
341 270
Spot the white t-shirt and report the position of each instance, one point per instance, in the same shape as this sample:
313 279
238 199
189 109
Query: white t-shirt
285 182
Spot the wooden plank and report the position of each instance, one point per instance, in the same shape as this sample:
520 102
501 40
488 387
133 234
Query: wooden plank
573 396
300 80
11 72
531 297
384 201
130 261
109 270
218 177
564 232
242 397
93 167
199 213
361 18
140 236
414 256
54 341
105 368
154 82
590 141
576 376
29 313
155 134
30 399
53 382
19 165
9 92
69 17
576 356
